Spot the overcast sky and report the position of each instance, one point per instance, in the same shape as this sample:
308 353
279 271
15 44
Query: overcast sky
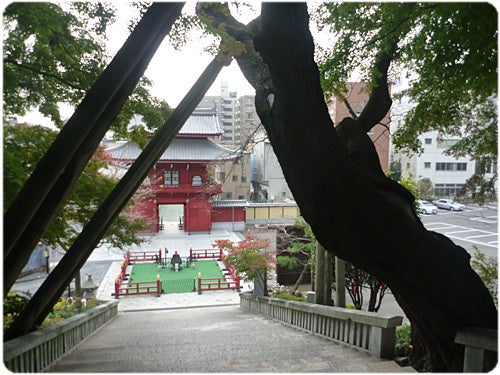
174 72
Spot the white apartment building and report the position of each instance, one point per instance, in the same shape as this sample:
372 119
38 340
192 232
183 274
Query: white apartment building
268 181
447 173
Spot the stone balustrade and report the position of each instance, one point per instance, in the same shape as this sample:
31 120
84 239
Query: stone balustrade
37 350
370 331
481 348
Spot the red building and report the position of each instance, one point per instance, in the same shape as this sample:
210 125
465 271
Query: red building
185 173
357 96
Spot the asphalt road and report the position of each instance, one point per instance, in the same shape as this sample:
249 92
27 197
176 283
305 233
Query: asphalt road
476 226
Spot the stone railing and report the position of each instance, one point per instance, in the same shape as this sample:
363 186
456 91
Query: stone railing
37 350
370 331
481 348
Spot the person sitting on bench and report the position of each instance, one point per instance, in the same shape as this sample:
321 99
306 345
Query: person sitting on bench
176 261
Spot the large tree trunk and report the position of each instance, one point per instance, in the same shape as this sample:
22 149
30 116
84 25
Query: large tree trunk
354 210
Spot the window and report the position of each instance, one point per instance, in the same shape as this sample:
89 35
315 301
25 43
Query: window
235 178
241 197
428 141
197 181
171 178
427 165
229 195
221 176
447 190
243 179
451 167
446 143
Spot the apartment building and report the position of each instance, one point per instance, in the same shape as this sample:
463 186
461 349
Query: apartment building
447 173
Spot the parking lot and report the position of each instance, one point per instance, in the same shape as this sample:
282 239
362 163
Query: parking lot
474 226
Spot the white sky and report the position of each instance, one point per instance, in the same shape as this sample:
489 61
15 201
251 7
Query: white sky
174 72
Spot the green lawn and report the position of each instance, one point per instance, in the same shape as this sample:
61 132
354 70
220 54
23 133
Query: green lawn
182 281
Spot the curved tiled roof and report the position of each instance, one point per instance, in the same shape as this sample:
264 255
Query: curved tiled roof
181 149
201 124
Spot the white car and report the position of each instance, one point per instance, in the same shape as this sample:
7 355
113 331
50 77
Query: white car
449 204
426 207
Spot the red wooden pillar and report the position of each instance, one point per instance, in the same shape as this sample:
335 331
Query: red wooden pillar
117 287
199 282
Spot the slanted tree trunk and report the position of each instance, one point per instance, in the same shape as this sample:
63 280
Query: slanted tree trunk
44 192
334 175
298 283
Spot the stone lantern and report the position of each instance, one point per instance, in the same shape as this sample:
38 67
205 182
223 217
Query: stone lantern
89 287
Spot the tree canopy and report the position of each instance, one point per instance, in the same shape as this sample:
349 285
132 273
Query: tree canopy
53 54
448 49
23 147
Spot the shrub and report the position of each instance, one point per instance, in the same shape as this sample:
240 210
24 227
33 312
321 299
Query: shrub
403 341
66 308
13 304
290 297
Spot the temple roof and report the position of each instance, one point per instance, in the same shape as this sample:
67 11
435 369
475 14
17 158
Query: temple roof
180 150
202 122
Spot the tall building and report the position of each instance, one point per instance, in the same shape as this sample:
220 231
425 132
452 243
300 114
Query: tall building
249 120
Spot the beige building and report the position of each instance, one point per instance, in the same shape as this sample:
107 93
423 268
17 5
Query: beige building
235 178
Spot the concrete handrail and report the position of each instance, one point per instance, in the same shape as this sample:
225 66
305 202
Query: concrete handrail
481 348
373 332
36 350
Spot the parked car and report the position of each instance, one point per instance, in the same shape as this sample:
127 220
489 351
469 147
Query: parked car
426 207
449 204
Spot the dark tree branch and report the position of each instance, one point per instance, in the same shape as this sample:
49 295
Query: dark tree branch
38 70
380 100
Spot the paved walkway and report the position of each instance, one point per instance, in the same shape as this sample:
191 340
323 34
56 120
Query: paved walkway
208 332
212 339
200 333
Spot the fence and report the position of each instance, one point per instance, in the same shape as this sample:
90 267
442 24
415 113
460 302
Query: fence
178 286
145 256
143 287
217 283
370 331
132 288
205 254
37 350
229 281
481 348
